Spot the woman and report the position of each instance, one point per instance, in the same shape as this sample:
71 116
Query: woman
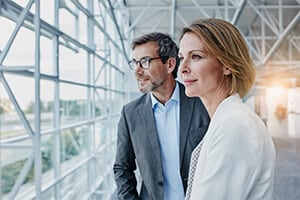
236 158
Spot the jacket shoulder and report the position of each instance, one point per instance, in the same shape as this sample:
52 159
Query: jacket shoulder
135 103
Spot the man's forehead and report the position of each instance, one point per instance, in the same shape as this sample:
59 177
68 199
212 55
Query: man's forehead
147 49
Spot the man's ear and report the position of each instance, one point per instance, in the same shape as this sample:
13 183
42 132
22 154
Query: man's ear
171 64
226 71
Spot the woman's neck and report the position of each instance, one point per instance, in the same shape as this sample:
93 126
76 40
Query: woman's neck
211 102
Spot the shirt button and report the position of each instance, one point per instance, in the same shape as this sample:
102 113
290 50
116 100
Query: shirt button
160 183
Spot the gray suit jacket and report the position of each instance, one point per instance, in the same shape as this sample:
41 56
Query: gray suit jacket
138 143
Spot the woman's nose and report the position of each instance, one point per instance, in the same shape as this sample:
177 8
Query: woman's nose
183 67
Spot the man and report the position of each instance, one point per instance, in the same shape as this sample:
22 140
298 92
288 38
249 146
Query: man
160 129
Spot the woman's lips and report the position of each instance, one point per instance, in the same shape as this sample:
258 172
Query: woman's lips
189 81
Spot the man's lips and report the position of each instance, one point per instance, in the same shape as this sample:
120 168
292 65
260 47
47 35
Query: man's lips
142 80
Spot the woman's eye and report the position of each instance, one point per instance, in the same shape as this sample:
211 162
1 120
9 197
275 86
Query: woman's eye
180 59
196 57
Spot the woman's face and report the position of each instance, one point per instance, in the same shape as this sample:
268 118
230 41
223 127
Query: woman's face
202 74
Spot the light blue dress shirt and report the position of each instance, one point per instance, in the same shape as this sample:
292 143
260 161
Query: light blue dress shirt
167 125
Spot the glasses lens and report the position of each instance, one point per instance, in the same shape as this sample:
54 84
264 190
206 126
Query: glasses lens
132 64
145 62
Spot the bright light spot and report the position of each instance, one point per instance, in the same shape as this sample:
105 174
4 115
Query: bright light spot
276 92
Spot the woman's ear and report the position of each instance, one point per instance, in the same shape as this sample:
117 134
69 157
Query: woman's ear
226 71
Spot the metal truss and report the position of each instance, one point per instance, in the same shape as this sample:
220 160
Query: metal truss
270 27
104 69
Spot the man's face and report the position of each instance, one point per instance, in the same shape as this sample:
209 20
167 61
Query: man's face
153 77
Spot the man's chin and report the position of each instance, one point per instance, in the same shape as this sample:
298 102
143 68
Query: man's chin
144 89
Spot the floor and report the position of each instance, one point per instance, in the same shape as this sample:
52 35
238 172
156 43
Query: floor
287 176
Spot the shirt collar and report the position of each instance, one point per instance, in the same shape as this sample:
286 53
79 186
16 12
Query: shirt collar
174 97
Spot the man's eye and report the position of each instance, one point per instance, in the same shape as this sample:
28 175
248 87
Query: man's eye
143 61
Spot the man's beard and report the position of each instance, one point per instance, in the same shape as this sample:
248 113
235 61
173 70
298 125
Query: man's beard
150 87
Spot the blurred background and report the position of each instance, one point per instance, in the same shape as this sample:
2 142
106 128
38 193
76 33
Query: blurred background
64 78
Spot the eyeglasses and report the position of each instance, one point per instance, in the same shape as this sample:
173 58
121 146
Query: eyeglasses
144 62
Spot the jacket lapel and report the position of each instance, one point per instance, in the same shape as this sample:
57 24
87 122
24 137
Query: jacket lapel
146 114
186 108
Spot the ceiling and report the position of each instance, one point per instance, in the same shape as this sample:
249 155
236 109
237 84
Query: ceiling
271 27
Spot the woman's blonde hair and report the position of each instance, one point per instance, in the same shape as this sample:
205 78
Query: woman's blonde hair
223 40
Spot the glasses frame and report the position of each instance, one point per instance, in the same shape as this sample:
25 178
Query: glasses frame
143 62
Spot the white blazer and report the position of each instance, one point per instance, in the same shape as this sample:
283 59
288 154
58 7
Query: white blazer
237 158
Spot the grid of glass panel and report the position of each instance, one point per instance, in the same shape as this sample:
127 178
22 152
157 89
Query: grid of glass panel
61 72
